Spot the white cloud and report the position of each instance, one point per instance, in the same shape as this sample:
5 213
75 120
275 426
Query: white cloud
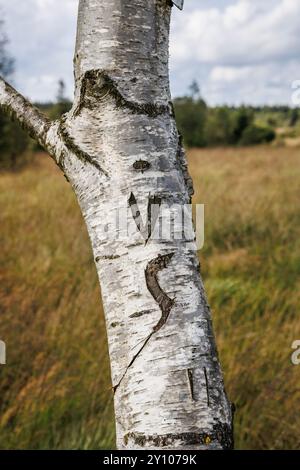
249 31
229 74
256 84
238 53
42 37
237 49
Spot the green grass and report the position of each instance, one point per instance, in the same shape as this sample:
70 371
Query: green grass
55 389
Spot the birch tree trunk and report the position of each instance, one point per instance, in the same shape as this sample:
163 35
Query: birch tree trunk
119 147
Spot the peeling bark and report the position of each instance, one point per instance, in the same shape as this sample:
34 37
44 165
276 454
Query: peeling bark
119 146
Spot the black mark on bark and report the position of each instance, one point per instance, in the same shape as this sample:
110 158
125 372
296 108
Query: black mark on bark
206 385
97 84
140 314
141 165
106 257
153 209
221 434
190 382
135 212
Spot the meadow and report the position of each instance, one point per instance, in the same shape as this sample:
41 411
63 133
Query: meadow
55 390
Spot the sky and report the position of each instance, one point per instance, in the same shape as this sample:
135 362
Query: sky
239 51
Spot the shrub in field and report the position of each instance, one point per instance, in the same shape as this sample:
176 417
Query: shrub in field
254 135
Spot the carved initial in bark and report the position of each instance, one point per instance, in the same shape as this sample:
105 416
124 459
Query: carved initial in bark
162 299
154 203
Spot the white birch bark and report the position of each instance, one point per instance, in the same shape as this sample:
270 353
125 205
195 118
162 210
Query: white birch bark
119 146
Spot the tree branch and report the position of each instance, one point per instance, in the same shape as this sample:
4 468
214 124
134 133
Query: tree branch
28 116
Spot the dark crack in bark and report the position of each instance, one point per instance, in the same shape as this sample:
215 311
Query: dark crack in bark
97 85
153 210
164 301
220 434
182 163
207 386
74 148
189 373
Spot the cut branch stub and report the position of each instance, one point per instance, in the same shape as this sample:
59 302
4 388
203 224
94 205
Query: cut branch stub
178 3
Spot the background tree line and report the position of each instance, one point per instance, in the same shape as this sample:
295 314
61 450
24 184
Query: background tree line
204 126
200 125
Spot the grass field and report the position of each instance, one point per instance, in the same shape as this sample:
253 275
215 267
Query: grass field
55 389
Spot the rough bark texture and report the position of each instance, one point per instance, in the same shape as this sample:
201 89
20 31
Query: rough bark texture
119 146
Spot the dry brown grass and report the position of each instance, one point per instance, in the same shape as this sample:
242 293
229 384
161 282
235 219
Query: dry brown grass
251 267
55 389
55 386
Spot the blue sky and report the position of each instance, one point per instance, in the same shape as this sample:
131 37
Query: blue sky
239 51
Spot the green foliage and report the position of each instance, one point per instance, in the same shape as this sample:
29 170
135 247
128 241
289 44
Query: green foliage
191 116
243 119
294 117
13 143
62 105
254 135
202 126
219 127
